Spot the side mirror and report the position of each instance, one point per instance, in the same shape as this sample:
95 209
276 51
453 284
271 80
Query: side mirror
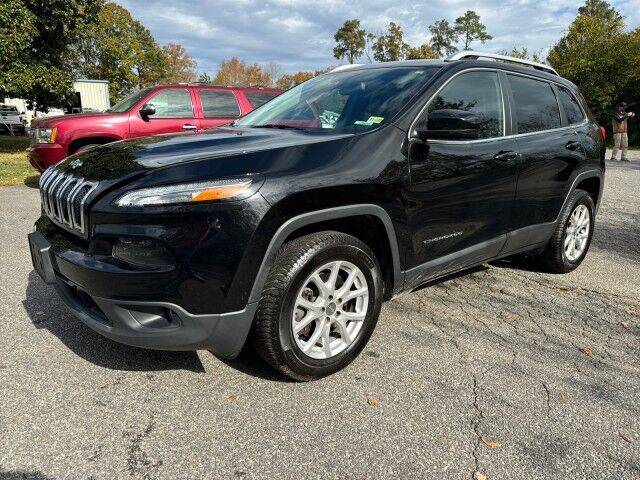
147 110
449 124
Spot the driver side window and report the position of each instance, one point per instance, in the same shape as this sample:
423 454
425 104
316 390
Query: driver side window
467 108
173 103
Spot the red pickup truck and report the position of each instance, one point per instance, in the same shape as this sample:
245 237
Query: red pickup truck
152 111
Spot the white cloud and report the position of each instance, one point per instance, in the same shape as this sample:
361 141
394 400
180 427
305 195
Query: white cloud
298 34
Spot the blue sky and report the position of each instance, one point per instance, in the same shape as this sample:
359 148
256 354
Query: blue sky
298 34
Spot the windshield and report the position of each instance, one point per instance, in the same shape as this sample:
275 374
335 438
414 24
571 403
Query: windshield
347 101
129 101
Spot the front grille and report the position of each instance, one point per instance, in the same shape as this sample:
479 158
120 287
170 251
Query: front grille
63 197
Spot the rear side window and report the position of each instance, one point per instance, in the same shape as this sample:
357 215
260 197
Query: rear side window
259 98
172 103
536 107
470 106
571 106
219 103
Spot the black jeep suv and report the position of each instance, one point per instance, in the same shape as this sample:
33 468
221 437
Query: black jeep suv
292 225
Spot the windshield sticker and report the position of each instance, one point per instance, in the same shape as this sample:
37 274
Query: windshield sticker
328 119
370 121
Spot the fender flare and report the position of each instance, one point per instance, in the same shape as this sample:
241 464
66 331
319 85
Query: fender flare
583 176
317 216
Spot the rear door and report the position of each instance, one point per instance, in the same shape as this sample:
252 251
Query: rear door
461 193
550 151
175 112
219 107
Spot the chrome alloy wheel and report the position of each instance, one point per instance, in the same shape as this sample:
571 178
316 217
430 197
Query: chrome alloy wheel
577 233
330 309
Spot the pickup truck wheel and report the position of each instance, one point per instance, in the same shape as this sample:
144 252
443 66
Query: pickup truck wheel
571 239
319 306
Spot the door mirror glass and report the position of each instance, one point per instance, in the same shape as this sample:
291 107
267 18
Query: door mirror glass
147 110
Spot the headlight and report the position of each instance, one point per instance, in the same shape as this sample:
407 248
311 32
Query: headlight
227 189
46 135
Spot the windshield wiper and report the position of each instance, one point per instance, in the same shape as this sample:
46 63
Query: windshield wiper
278 125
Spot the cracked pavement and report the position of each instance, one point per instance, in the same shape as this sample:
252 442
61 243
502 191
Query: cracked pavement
505 371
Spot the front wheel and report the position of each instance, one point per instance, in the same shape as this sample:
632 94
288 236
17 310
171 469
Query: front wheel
572 237
319 306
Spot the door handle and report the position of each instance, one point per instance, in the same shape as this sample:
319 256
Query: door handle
573 145
189 127
506 156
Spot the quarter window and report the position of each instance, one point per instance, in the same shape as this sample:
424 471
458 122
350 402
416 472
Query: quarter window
571 106
219 103
468 107
536 107
173 103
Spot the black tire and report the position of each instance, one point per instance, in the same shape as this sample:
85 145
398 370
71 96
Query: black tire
272 334
553 258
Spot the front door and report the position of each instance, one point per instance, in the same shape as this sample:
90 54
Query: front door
174 112
463 176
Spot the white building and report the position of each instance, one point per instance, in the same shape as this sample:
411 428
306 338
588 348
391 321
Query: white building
90 94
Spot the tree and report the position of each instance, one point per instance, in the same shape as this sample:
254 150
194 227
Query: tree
286 82
238 73
443 37
603 60
181 66
602 10
523 53
204 78
423 51
121 50
350 41
35 53
470 28
390 46
274 71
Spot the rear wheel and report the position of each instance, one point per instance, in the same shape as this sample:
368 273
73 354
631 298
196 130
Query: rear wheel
319 306
572 237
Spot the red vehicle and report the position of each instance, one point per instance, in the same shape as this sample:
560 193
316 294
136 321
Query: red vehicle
152 111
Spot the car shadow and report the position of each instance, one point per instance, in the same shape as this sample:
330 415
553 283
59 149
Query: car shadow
46 310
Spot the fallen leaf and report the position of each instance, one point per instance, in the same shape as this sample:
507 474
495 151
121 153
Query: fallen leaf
39 312
479 476
373 401
625 438
563 397
625 325
586 351
232 398
490 443
633 312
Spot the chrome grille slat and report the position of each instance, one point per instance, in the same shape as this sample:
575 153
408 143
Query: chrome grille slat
63 198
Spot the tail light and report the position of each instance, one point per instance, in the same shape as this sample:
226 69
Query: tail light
603 132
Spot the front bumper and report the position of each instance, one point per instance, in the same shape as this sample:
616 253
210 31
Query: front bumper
43 155
146 324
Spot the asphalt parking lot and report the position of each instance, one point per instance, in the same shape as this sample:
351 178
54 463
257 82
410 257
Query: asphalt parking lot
508 372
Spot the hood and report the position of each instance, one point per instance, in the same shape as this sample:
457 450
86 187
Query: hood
116 160
55 119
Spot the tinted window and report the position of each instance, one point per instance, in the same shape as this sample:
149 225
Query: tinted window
173 103
536 107
570 106
471 102
347 101
259 98
219 103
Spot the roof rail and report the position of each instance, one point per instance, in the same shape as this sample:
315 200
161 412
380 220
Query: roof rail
471 54
346 67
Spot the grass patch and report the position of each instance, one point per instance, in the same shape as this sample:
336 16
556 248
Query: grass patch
15 168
